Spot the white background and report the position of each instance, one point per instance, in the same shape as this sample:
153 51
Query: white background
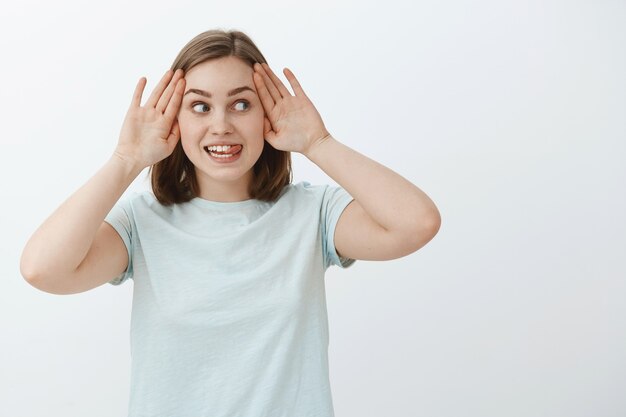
510 115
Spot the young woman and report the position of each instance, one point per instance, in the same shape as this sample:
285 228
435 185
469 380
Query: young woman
227 256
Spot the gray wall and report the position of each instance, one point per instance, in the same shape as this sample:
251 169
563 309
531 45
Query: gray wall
509 115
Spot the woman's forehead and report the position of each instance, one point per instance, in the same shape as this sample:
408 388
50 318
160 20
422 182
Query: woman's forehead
225 67
220 76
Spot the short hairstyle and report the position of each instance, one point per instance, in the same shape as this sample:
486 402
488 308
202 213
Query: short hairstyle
174 178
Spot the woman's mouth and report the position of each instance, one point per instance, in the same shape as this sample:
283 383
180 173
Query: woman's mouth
223 154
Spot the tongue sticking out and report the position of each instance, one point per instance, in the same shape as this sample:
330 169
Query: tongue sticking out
232 150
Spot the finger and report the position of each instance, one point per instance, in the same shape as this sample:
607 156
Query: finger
266 99
174 104
281 87
267 126
295 85
269 84
158 90
136 101
172 139
167 94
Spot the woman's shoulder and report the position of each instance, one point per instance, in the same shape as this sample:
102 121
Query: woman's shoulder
307 187
138 196
311 195
302 189
133 200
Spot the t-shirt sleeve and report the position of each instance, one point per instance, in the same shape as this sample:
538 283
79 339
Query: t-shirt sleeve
120 217
334 201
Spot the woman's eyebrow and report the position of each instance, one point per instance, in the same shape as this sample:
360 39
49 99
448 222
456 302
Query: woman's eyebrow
230 93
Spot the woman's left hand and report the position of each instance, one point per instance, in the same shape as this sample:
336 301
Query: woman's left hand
292 123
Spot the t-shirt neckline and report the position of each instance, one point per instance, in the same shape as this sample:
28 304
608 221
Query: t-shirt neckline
201 202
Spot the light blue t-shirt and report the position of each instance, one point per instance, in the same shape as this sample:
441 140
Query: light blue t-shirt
229 311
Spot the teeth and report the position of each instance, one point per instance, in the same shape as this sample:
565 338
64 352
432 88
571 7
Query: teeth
219 148
221 155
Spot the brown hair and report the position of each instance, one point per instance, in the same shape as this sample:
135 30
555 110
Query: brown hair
174 178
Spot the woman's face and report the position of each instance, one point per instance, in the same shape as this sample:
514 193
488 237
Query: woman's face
221 106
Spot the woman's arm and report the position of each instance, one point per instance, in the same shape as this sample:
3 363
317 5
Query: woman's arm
389 217
73 243
60 244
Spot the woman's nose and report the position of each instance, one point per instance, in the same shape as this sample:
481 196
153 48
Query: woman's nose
220 123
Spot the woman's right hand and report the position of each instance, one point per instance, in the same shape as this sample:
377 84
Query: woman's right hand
150 132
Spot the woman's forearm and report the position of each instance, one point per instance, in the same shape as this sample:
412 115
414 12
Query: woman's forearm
60 244
391 200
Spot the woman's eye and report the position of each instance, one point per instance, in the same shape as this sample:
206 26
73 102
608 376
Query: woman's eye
198 104
247 105
244 102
